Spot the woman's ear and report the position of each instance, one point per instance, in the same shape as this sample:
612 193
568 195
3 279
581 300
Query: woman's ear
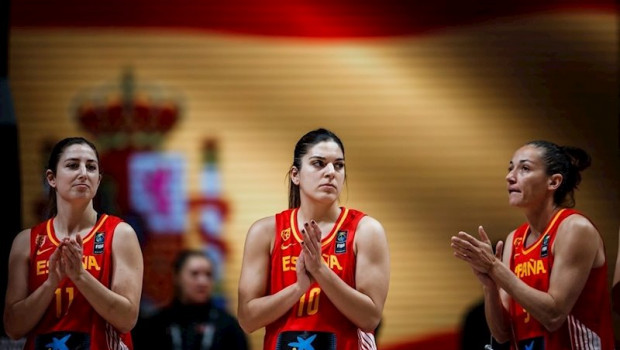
294 175
555 181
51 179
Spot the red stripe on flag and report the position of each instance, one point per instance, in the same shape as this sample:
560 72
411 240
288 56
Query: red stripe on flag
292 18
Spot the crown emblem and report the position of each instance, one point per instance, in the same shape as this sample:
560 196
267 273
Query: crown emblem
127 114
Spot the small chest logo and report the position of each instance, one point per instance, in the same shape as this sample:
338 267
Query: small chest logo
341 242
39 241
285 234
544 250
99 243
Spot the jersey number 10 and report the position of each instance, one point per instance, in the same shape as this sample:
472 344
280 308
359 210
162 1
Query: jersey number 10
309 302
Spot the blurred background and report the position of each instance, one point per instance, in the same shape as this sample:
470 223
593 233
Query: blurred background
195 107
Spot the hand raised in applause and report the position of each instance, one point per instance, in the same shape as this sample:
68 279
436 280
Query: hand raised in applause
71 258
56 268
478 253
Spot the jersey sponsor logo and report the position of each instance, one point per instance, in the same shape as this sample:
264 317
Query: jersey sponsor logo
530 268
306 340
89 262
62 341
99 243
341 242
532 344
289 262
39 252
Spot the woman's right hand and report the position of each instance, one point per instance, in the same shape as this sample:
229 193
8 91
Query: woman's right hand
304 280
56 268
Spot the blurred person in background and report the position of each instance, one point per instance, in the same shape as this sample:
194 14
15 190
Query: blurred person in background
548 289
316 275
75 279
191 321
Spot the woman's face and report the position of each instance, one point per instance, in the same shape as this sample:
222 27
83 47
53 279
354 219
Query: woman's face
527 181
322 172
77 173
195 280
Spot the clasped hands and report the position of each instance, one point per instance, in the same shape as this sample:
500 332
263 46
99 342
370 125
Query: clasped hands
67 259
310 260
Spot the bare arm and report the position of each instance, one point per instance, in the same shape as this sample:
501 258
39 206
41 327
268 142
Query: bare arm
255 308
22 312
575 253
364 304
478 253
496 300
119 305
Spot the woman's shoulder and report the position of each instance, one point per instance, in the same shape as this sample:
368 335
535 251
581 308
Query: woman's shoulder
22 239
370 229
368 222
262 228
579 225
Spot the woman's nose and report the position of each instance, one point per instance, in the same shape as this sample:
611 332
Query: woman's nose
329 169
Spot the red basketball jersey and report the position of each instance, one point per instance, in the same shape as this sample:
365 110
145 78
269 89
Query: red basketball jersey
314 320
589 323
70 320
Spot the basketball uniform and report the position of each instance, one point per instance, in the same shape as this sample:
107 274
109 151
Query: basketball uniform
588 325
70 322
314 322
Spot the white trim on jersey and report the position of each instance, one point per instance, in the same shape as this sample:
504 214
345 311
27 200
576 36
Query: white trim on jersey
366 340
581 337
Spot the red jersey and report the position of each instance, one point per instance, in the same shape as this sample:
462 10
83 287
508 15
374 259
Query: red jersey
314 321
589 323
70 322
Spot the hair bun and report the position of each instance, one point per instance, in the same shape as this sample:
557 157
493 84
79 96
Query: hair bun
579 158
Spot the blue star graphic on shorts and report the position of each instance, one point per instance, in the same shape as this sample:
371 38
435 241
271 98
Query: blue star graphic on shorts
303 344
57 344
530 347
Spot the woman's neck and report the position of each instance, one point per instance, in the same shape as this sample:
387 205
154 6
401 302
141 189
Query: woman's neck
538 218
318 214
71 220
325 217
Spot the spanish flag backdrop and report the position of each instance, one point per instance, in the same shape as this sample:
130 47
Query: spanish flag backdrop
429 98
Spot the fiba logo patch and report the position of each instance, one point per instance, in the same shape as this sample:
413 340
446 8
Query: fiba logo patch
544 250
341 242
99 243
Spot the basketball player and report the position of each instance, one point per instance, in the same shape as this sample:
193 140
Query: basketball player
315 275
75 279
548 290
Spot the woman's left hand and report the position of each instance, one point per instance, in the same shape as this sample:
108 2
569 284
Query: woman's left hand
477 252
311 234
71 257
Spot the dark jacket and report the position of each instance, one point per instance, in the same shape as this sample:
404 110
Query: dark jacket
189 327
